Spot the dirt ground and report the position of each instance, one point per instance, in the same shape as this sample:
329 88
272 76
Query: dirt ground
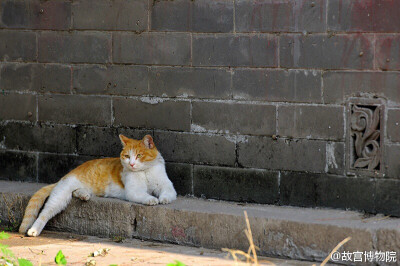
77 249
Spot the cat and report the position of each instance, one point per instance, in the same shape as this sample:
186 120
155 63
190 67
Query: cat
137 175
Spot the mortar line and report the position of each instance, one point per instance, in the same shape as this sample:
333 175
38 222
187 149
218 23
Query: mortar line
374 61
192 180
191 116
191 49
277 120
326 16
71 87
37 167
111 57
279 186
226 67
37 109
112 111
148 16
231 91
37 47
244 33
279 50
234 17
322 88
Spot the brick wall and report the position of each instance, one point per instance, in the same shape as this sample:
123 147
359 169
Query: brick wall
246 99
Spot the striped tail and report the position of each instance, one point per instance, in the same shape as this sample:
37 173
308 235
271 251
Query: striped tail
34 206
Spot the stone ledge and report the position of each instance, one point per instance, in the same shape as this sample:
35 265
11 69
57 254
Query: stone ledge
298 233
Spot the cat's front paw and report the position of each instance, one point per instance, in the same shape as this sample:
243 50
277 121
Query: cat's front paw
32 232
151 201
165 199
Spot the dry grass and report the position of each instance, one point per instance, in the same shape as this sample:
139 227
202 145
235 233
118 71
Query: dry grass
12 208
251 256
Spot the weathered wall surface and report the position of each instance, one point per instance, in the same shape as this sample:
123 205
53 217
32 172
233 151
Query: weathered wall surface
292 102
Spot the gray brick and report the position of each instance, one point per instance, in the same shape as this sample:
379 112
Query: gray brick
391 161
197 16
238 50
281 154
172 16
249 185
16 77
181 176
74 47
335 158
344 51
190 82
110 15
355 16
311 190
75 109
195 148
281 15
310 16
346 193
113 80
298 189
393 125
22 136
339 85
35 77
388 51
35 14
18 166
17 45
299 121
25 103
152 48
277 85
52 167
388 197
252 119
88 139
152 113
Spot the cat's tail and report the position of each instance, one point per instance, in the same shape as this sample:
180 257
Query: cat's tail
34 206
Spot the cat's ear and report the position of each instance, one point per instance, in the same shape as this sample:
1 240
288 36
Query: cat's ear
124 140
148 142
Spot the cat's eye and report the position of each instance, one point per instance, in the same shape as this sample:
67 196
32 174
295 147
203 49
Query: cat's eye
126 156
139 155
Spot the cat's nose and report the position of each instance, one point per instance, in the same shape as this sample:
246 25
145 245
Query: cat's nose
132 164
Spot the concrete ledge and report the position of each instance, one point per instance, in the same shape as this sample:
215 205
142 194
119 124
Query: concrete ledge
298 233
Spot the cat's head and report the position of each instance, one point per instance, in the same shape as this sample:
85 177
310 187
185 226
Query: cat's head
137 155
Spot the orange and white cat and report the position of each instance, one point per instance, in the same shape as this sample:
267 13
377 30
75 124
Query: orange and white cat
138 175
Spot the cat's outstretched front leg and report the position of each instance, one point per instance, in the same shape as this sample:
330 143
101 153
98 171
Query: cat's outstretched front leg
168 194
136 189
164 189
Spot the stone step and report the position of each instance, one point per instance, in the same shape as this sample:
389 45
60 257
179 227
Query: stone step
290 232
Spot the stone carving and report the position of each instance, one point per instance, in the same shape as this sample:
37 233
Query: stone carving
365 132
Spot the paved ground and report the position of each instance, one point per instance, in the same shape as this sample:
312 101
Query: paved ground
77 248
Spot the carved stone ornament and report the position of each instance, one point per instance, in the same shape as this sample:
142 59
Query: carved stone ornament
365 136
